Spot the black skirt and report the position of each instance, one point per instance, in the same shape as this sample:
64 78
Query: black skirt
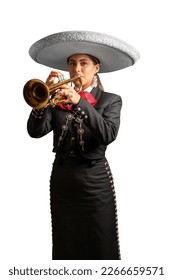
83 210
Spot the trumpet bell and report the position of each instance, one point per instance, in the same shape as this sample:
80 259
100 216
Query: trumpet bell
36 93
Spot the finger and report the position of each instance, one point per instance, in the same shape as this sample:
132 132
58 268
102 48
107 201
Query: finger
51 80
62 92
55 72
66 87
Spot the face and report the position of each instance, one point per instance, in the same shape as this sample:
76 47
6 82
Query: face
82 65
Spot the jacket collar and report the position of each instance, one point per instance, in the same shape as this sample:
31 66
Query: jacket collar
97 93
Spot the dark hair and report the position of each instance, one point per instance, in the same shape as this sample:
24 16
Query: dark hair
95 60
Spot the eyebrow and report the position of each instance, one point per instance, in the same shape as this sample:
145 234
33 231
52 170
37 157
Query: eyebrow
83 59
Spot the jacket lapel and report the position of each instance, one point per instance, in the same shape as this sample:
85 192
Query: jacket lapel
97 94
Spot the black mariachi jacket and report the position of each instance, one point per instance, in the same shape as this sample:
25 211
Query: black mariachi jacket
95 127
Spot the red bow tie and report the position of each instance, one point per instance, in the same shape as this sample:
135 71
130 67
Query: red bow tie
86 95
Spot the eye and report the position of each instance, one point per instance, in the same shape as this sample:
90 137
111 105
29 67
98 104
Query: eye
72 63
83 63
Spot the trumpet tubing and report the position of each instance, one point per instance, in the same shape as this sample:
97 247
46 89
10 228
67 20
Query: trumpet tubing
37 94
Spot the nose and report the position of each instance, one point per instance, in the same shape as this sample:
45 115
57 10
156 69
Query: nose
77 68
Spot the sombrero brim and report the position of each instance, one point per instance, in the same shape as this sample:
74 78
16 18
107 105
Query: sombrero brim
113 53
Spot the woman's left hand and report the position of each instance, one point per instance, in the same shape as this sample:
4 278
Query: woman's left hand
70 94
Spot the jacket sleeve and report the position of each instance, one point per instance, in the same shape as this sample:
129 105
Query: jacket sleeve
104 121
39 122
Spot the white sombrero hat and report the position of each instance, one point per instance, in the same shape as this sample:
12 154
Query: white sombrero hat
113 53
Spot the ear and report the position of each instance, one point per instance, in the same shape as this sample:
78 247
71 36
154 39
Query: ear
97 68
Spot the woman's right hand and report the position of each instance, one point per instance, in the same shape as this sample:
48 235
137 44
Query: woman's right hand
53 77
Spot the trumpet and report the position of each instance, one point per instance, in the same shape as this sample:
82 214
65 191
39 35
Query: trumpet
38 94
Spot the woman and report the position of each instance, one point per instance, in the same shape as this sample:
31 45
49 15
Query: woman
83 201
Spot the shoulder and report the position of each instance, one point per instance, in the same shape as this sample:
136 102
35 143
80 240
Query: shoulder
108 98
110 95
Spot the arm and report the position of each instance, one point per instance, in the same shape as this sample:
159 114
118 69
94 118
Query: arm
39 122
104 121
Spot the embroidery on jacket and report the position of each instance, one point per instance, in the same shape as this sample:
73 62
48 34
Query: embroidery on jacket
77 116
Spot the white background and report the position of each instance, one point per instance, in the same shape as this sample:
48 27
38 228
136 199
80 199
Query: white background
141 158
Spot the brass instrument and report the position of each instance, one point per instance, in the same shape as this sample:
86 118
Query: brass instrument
37 94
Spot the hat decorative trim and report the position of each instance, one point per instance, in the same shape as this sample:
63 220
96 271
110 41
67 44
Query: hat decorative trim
113 53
